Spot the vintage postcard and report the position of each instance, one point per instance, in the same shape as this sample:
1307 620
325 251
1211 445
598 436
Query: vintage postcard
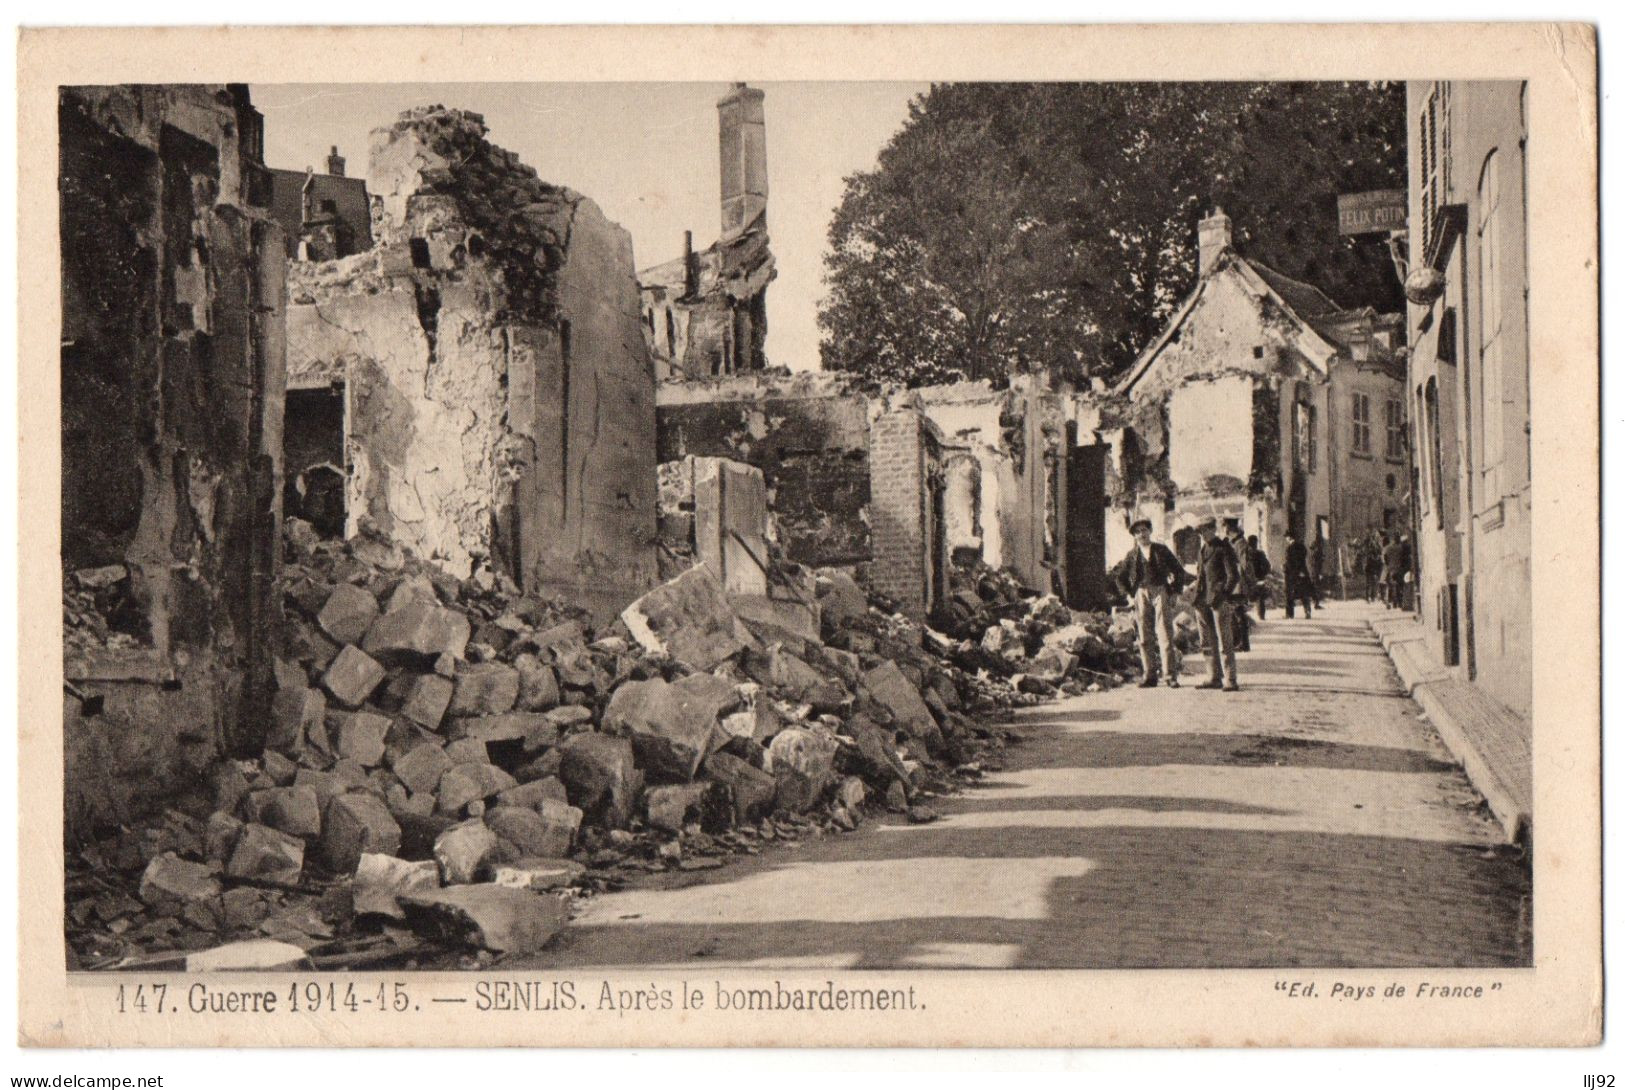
971 536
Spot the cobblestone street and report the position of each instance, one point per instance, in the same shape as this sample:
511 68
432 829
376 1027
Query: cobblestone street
1314 819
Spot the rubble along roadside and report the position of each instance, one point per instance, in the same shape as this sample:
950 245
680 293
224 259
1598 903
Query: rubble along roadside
450 763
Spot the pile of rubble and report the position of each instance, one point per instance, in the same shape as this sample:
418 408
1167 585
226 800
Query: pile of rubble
448 762
1035 641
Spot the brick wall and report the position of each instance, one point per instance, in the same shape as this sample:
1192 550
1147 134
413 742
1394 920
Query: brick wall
897 510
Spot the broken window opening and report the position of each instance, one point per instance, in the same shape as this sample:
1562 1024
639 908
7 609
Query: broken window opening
314 463
420 252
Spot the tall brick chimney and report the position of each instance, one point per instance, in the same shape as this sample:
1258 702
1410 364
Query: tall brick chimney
335 162
1212 239
742 134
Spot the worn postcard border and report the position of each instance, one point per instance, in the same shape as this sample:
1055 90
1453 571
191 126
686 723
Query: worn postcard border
1558 1001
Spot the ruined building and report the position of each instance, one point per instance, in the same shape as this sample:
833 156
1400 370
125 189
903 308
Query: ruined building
476 386
323 216
1262 400
172 395
705 313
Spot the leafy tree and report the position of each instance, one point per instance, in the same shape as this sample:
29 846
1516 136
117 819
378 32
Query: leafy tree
1009 227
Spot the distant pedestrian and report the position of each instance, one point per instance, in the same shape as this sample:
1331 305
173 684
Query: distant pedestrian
1259 564
1218 580
1248 585
1296 574
1371 564
1395 562
1317 569
1150 575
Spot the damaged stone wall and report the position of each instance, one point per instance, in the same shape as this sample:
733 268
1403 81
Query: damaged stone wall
500 399
807 433
172 392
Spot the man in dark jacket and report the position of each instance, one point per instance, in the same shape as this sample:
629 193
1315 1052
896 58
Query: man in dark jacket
1234 538
1396 561
1317 570
1218 587
1150 575
1259 565
1296 574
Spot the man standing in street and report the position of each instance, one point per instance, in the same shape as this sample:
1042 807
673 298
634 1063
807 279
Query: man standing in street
1259 566
1317 567
1218 582
1296 574
1248 587
1150 575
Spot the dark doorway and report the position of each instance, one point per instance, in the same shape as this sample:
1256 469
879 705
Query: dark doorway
1085 555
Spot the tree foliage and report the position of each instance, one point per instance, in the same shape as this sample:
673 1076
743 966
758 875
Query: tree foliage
1012 227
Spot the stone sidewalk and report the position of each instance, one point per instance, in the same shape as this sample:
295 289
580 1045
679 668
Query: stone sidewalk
1314 819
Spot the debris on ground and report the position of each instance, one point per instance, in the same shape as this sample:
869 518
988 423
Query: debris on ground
450 762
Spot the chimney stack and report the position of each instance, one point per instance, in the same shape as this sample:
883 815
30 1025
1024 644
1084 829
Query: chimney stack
1212 239
335 162
743 139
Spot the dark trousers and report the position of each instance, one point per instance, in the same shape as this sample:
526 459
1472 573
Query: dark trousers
1298 590
1263 601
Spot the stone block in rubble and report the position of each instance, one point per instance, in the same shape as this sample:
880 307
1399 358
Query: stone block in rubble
840 601
501 919
1052 664
411 588
538 685
466 751
220 834
1006 641
851 794
419 832
294 810
751 789
534 730
421 767
465 783
427 698
601 777
548 830
293 711
354 824
279 769
289 675
486 688
230 785
564 634
537 874
770 617
170 881
250 956
672 725
347 614
566 716
576 668
781 670
535 793
689 619
811 753
360 738
887 685
351 773
325 784
880 763
829 697
461 850
671 807
380 880
352 676
263 852
757 719
417 632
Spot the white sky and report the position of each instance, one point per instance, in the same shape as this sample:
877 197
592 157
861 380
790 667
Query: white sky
645 152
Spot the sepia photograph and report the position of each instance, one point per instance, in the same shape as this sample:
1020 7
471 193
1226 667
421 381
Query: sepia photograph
627 546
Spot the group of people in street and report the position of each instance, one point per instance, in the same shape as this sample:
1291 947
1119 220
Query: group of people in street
1383 559
1231 574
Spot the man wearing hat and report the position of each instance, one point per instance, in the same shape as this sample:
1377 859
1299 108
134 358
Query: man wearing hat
1150 575
1218 588
1237 541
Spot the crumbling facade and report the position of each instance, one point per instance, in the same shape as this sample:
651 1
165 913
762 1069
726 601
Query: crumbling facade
1263 401
497 399
172 396
705 313
893 482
